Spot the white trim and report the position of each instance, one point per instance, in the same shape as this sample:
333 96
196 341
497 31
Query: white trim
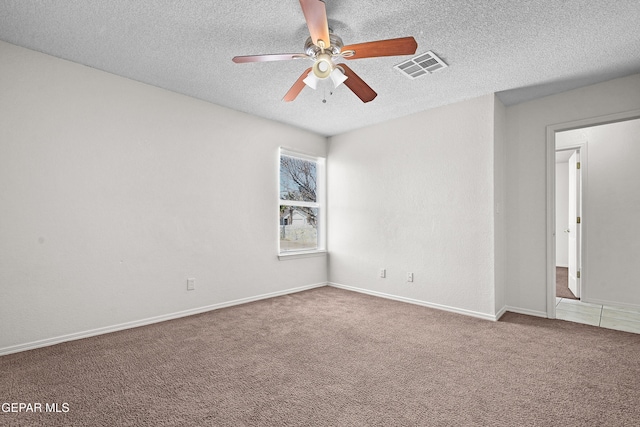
320 204
298 254
501 312
463 311
292 152
301 203
526 311
148 321
551 194
551 225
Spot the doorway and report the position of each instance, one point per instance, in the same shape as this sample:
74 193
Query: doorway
569 170
581 283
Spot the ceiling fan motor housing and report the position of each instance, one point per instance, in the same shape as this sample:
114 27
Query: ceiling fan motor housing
323 57
334 47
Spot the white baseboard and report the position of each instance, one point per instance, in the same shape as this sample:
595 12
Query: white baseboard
526 311
501 312
477 314
156 319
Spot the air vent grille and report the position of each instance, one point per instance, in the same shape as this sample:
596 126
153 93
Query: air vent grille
425 63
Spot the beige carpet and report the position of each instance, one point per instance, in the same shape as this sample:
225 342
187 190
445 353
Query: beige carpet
562 283
329 357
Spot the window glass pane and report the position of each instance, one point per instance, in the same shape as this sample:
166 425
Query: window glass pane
297 179
298 228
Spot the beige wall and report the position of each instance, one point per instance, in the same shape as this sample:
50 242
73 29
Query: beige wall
113 193
527 173
416 194
611 208
500 214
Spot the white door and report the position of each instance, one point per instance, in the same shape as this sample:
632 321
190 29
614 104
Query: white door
574 223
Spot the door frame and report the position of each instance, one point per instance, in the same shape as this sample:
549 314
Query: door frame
551 201
579 147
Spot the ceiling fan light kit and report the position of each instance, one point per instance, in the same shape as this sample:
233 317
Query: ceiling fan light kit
324 48
311 80
338 77
323 66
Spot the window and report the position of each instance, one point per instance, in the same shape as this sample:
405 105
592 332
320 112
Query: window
301 203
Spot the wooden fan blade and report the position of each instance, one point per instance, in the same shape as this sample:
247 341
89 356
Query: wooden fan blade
315 14
391 47
357 85
297 87
267 58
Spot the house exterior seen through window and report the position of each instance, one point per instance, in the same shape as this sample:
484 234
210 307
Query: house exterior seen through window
301 203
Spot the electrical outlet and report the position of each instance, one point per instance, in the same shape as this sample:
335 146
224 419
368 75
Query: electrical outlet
409 277
383 273
191 284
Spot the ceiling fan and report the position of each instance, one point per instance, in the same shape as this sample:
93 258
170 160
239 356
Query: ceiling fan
325 49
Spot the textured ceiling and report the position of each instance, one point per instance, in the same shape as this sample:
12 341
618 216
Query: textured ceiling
520 49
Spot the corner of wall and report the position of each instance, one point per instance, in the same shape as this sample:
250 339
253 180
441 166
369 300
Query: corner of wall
499 194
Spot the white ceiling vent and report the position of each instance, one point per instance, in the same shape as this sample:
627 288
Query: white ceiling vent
420 65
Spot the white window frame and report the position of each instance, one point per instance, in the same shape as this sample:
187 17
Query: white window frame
319 204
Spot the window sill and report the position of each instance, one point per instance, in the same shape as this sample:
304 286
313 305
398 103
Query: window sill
295 255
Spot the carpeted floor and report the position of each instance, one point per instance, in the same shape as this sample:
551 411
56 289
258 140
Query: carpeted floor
562 283
329 357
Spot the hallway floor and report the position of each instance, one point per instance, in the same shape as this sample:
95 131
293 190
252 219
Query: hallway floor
620 318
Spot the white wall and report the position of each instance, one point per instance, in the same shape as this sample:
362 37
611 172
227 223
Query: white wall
611 210
562 214
500 194
113 193
416 194
526 178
